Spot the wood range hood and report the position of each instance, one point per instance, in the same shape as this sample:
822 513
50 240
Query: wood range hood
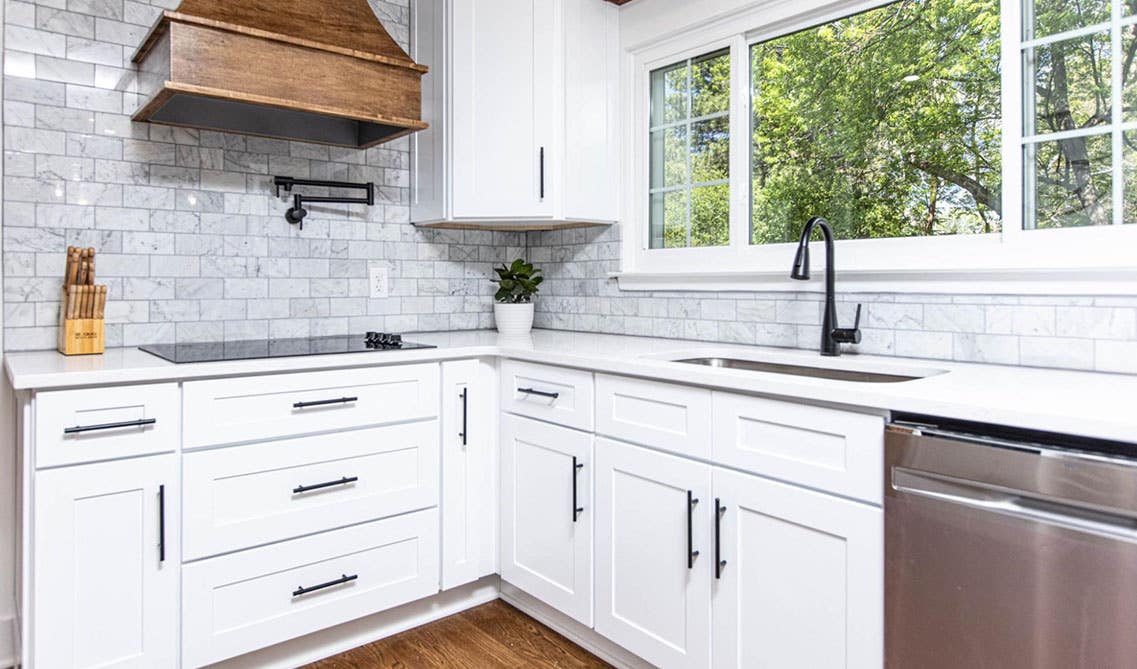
306 70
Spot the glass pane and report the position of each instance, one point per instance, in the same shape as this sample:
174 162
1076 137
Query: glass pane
669 157
669 94
669 220
710 150
1130 182
1129 73
710 84
710 215
1071 84
1055 16
1072 182
887 123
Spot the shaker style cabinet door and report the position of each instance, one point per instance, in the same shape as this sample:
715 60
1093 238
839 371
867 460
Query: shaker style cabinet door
504 83
469 472
546 513
653 554
799 579
106 565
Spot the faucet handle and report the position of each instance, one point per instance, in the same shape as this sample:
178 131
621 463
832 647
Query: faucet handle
849 335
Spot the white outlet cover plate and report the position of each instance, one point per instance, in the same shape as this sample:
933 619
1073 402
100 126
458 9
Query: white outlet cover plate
378 280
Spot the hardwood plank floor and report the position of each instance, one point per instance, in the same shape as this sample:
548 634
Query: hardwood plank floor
490 636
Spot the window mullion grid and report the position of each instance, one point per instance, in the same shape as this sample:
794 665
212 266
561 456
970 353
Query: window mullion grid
688 133
1117 115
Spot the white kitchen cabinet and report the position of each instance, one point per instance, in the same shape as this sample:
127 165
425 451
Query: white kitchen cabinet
469 472
802 583
546 513
521 100
105 559
654 554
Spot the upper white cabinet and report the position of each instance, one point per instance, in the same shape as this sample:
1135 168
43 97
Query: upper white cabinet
521 101
106 565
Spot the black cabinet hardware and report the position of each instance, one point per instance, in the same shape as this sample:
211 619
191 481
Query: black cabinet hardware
319 486
465 411
542 187
691 552
141 422
719 562
161 523
576 510
321 403
539 393
339 581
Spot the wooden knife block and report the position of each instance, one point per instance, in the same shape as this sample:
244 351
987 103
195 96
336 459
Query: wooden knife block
80 336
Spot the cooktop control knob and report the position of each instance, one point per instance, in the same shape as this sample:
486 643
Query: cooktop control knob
383 340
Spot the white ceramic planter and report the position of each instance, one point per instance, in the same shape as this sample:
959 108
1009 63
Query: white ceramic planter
513 319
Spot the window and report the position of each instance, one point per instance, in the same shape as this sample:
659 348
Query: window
887 123
690 153
965 141
1079 113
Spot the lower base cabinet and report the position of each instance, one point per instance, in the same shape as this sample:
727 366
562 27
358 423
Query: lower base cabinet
653 563
237 603
546 513
106 565
701 566
800 577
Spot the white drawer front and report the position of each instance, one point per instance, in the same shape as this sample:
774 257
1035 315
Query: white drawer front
836 451
241 602
555 394
104 423
260 493
253 408
660 415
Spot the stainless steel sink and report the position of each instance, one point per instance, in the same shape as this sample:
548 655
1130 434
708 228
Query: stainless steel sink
800 370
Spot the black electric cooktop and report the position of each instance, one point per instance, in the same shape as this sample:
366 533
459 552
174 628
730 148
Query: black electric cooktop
372 342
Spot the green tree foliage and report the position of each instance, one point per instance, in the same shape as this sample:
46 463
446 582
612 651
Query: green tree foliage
887 123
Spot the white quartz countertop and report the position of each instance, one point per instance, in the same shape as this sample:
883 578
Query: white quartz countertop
1079 403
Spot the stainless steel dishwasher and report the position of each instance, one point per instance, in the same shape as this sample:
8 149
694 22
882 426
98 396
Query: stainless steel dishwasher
1008 549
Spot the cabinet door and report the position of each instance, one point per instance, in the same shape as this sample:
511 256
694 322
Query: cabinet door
103 595
802 585
504 84
469 481
653 590
546 513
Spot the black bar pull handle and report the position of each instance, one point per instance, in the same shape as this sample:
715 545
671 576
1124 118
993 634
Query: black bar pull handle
321 403
319 486
691 552
141 422
339 581
576 510
539 393
542 170
161 524
465 412
719 562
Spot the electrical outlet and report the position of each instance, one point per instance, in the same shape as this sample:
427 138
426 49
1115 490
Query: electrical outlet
379 281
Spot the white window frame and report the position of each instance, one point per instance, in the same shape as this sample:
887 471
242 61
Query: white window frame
1053 261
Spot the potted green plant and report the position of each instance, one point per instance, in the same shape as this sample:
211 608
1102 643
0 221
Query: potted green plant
517 283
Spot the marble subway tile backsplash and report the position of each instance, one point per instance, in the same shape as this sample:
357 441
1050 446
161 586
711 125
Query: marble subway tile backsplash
192 242
1081 332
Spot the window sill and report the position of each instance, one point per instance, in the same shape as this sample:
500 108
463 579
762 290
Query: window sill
1093 281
